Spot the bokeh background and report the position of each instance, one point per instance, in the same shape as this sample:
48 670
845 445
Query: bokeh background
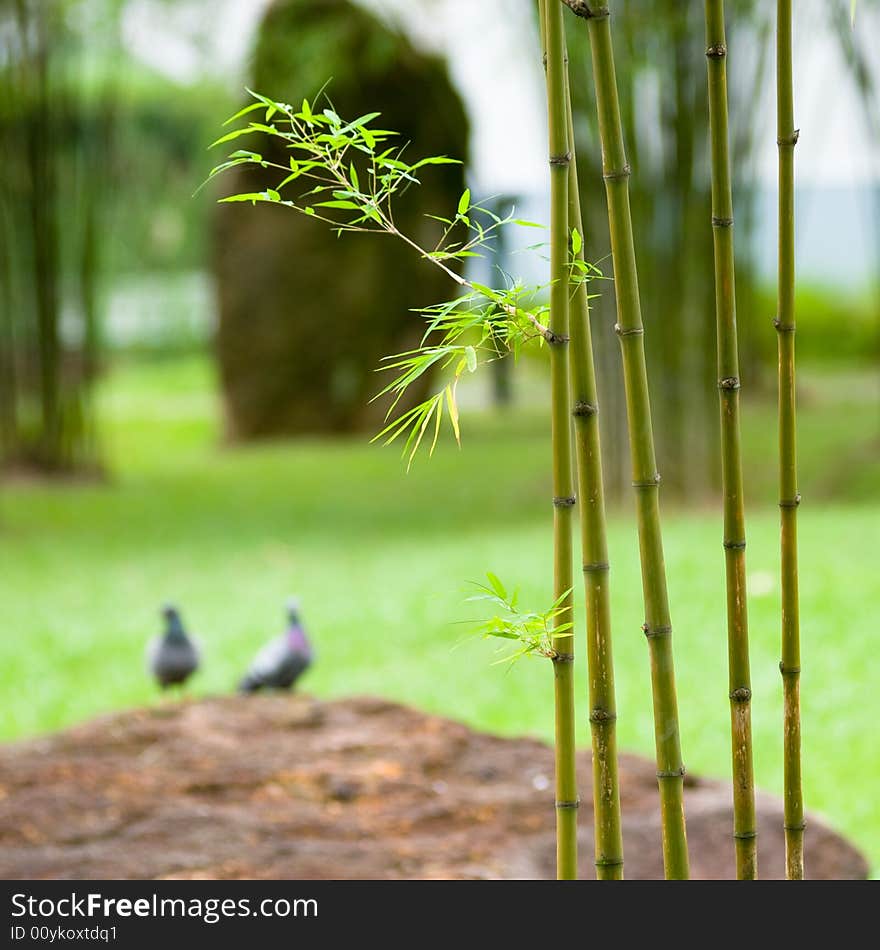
184 386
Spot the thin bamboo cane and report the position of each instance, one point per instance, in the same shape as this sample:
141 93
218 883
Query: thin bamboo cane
739 682
646 480
594 553
789 498
563 488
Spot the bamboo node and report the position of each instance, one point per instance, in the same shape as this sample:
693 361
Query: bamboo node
721 222
791 502
798 827
671 773
791 140
660 631
783 327
745 835
718 51
599 567
788 670
741 695
734 545
575 804
614 175
568 502
582 9
556 339
650 483
608 862
561 159
562 657
729 383
628 331
602 715
582 408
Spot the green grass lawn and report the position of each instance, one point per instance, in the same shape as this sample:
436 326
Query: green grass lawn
381 560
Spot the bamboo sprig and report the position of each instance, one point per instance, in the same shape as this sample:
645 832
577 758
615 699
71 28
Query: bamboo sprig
646 480
789 498
594 550
345 174
526 633
734 541
567 800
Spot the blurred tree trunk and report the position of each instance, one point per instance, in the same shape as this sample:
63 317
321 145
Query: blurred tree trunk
54 144
41 197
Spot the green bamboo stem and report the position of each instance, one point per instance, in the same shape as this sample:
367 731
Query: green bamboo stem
563 487
789 498
739 682
646 480
594 553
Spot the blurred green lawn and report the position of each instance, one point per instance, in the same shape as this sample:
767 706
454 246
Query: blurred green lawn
382 559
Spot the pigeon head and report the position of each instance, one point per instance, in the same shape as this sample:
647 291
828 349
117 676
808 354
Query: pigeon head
173 623
296 635
293 612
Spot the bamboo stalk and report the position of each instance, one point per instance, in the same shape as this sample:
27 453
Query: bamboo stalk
594 554
563 487
646 480
789 498
734 542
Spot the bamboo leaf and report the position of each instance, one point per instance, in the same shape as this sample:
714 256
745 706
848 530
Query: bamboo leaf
242 112
453 411
234 134
464 202
418 441
437 419
253 197
497 586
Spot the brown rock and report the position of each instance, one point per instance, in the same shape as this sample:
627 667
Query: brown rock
280 787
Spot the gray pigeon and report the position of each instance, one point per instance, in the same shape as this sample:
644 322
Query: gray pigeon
280 663
172 657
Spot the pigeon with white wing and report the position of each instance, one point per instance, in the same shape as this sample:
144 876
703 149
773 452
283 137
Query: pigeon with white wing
281 662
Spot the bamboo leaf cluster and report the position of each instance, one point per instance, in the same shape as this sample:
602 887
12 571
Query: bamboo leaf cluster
480 325
528 633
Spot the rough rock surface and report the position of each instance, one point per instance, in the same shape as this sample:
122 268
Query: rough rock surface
290 787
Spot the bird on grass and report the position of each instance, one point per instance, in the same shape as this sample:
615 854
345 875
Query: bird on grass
172 657
281 662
